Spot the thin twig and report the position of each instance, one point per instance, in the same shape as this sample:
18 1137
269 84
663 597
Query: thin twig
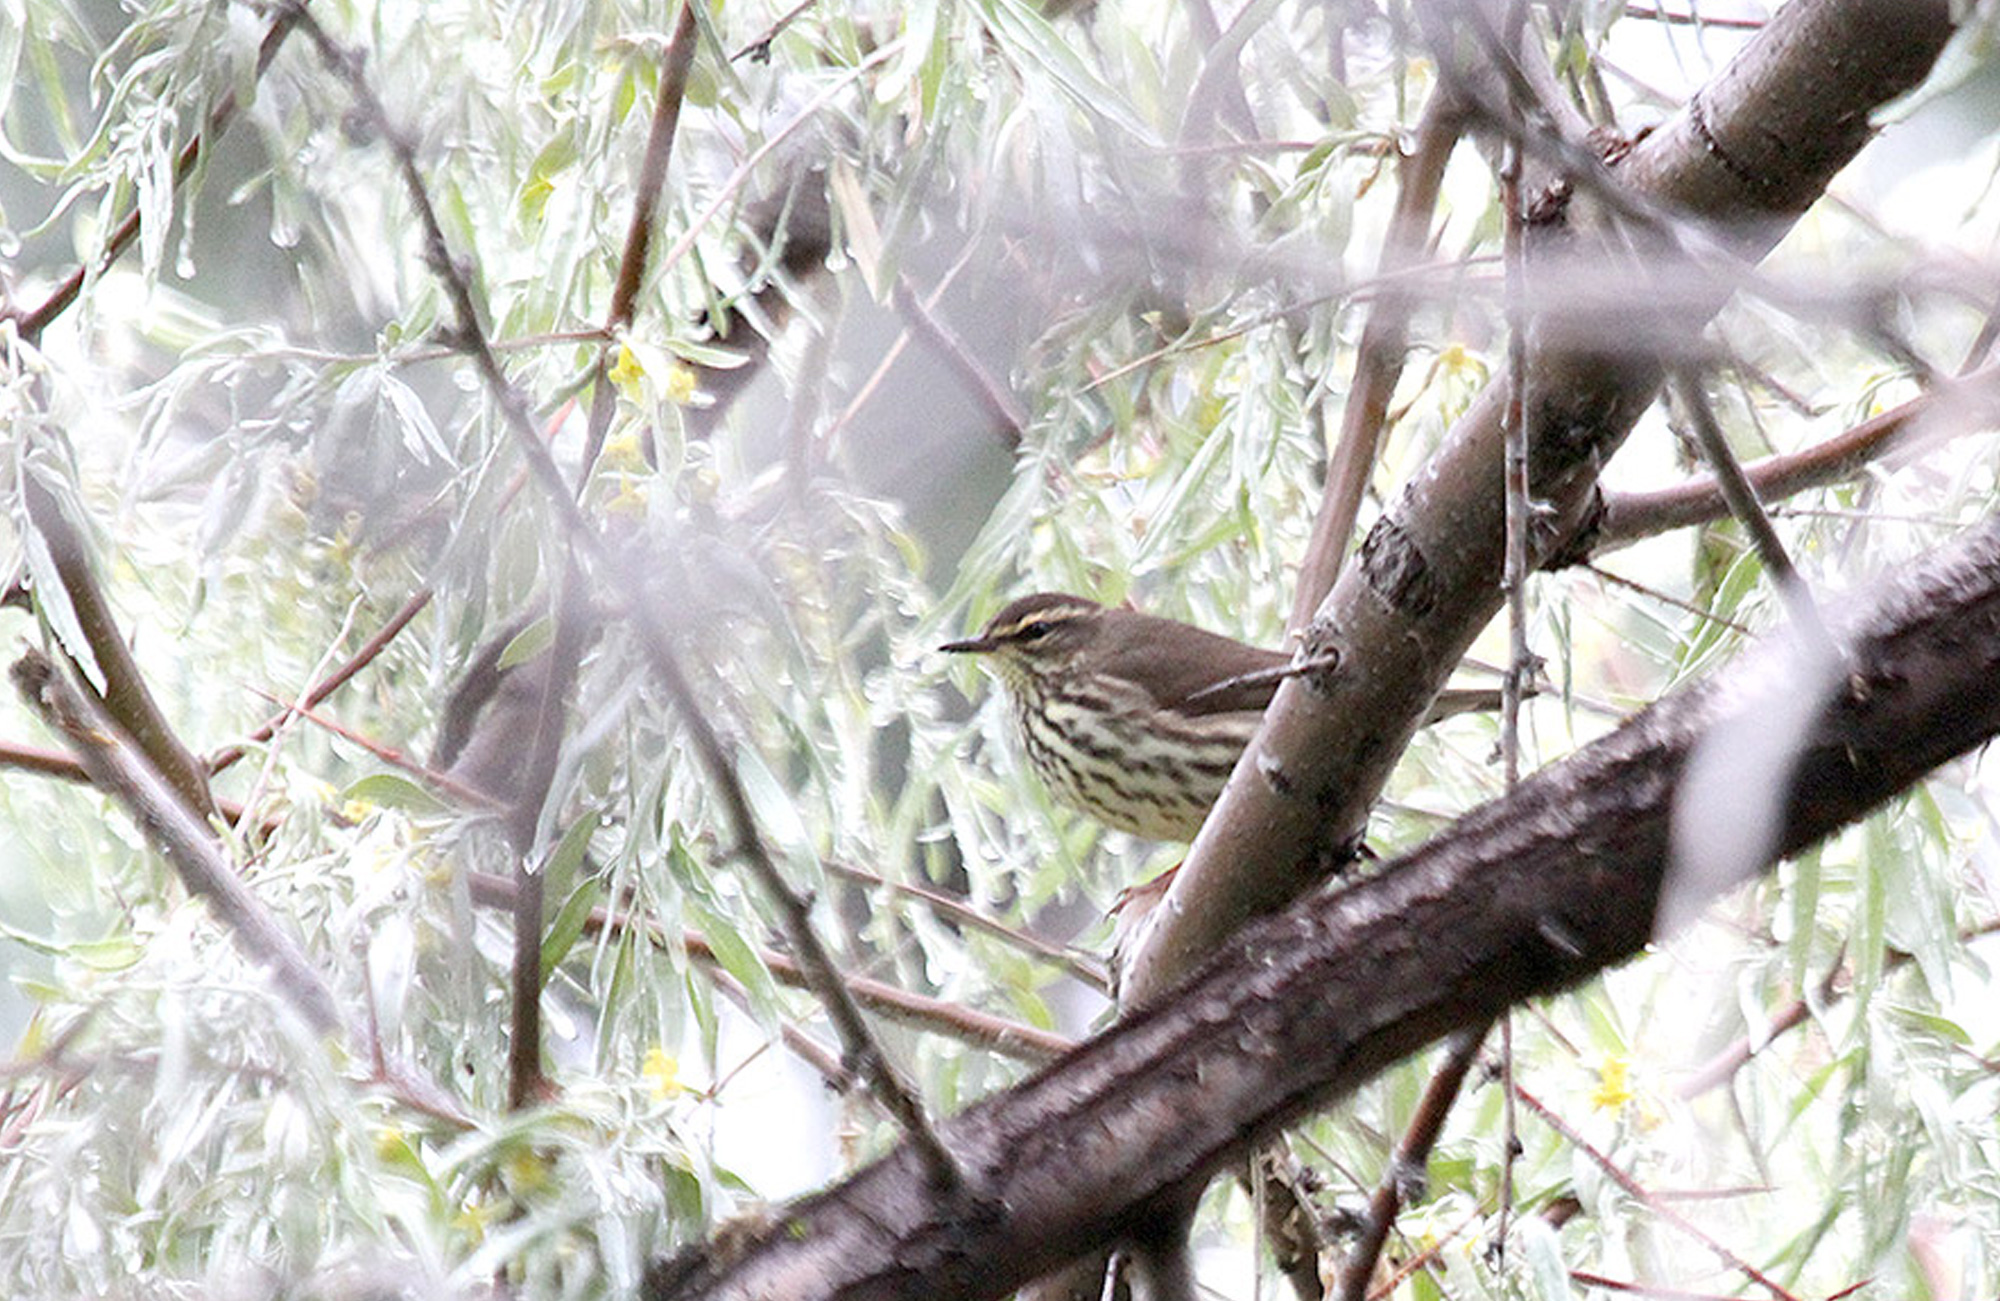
1515 432
675 65
1639 1192
1325 662
1001 406
1692 18
1387 284
273 753
32 323
331 683
1634 1288
800 1044
1408 1163
447 785
1379 357
1218 87
42 760
1425 1258
64 766
1749 512
1630 585
759 50
959 911
1014 1039
726 194
1721 1068
866 389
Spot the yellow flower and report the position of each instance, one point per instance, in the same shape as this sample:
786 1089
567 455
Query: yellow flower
473 1217
392 1144
1453 359
527 1171
664 1070
627 373
1613 1089
535 196
623 452
629 499
680 385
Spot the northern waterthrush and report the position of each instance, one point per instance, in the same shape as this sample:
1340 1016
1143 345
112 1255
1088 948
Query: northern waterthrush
1130 718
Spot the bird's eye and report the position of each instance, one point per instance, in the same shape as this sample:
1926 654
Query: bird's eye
1037 630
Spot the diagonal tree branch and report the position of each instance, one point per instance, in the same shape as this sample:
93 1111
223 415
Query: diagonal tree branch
1749 153
1969 405
112 765
1529 895
126 697
1379 357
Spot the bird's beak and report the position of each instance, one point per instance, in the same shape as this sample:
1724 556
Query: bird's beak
972 645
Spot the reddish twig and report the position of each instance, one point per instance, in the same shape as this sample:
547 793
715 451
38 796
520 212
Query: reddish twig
1407 1164
1001 407
1631 1288
331 683
1423 1259
800 1044
447 785
1972 404
957 910
1378 359
1640 1194
995 1034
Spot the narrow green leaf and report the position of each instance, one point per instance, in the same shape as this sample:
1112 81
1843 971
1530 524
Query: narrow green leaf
393 791
529 643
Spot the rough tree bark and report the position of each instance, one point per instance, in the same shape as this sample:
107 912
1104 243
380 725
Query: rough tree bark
1526 896
1732 172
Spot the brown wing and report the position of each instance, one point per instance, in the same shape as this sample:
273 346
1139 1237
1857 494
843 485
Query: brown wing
1176 661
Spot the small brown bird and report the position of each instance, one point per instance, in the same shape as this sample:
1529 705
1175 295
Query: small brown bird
1133 719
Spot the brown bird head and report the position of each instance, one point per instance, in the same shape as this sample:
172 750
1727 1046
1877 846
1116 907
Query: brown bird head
1036 637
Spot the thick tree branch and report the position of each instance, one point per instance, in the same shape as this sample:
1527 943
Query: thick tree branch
1747 156
1526 896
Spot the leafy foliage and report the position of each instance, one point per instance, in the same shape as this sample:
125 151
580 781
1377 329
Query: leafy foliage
263 418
